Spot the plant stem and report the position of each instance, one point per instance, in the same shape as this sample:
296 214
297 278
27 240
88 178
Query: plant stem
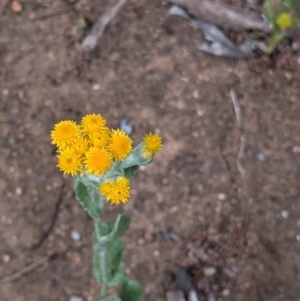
103 267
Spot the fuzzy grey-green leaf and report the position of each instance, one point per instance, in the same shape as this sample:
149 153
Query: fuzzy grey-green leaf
83 196
131 290
120 226
115 259
130 171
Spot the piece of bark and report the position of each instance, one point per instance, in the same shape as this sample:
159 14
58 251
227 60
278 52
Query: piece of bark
224 15
219 44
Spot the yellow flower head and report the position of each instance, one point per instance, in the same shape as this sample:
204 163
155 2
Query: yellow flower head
65 133
92 123
105 188
98 161
284 21
69 162
80 146
120 144
116 192
152 145
100 139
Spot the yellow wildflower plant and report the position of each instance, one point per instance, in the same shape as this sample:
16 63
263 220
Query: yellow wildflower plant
69 162
65 133
116 192
92 123
98 161
100 157
152 145
120 145
284 21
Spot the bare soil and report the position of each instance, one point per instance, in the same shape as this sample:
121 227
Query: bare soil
148 69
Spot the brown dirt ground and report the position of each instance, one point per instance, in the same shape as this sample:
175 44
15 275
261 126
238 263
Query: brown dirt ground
150 71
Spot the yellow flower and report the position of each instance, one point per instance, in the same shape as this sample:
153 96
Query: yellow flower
100 139
92 123
116 192
80 146
69 162
120 144
152 145
105 188
284 21
98 161
65 133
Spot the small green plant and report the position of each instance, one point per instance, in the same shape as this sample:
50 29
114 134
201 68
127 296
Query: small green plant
102 162
282 18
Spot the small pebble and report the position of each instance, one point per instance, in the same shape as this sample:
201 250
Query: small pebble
18 191
196 94
75 235
285 214
16 6
209 271
226 292
296 149
221 196
126 126
75 298
298 237
156 253
6 258
96 87
261 157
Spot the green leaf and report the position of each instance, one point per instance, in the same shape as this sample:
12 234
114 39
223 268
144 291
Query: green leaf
115 261
86 198
131 290
118 276
120 226
130 171
108 269
108 262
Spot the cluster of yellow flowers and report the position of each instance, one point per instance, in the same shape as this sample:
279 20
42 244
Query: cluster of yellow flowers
91 147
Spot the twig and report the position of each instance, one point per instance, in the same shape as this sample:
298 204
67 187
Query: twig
53 14
27 269
241 153
172 236
90 41
238 115
236 107
49 226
